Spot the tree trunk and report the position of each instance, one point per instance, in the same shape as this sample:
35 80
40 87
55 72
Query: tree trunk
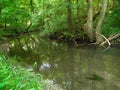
90 20
99 37
69 17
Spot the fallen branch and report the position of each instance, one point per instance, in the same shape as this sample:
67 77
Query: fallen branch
111 38
106 40
114 37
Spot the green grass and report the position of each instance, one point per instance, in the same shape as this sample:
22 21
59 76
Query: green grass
15 77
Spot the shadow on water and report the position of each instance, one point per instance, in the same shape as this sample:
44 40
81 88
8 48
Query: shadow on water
84 68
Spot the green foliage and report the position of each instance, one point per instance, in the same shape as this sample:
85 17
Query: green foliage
51 16
13 17
18 78
112 20
109 27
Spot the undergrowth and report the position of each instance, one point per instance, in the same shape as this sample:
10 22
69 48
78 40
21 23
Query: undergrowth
15 77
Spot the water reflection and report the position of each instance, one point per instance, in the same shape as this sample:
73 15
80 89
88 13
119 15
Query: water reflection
85 68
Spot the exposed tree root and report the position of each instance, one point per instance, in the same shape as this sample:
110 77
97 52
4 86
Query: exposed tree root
76 44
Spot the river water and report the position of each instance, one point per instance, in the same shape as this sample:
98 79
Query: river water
82 68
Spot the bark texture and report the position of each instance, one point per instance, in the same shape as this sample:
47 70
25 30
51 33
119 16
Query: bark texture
99 37
90 20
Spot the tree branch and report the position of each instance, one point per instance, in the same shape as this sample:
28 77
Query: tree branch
109 39
106 40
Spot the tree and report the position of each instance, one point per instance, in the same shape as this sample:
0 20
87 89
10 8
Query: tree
69 16
90 20
99 37
69 19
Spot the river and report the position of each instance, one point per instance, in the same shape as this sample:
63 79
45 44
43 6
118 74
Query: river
81 68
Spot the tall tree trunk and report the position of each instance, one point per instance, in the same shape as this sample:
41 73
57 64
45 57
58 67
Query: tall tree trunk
99 37
90 20
69 16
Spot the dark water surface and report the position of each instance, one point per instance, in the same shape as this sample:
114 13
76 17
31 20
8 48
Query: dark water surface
83 68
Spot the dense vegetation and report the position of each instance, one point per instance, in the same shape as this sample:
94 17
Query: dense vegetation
18 78
76 20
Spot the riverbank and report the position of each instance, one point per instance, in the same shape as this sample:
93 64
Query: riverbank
57 61
15 77
77 41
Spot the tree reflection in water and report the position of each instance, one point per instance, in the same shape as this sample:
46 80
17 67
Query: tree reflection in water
84 68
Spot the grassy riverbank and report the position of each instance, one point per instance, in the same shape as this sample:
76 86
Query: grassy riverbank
18 78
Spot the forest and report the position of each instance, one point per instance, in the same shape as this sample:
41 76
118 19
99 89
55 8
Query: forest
36 35
76 20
